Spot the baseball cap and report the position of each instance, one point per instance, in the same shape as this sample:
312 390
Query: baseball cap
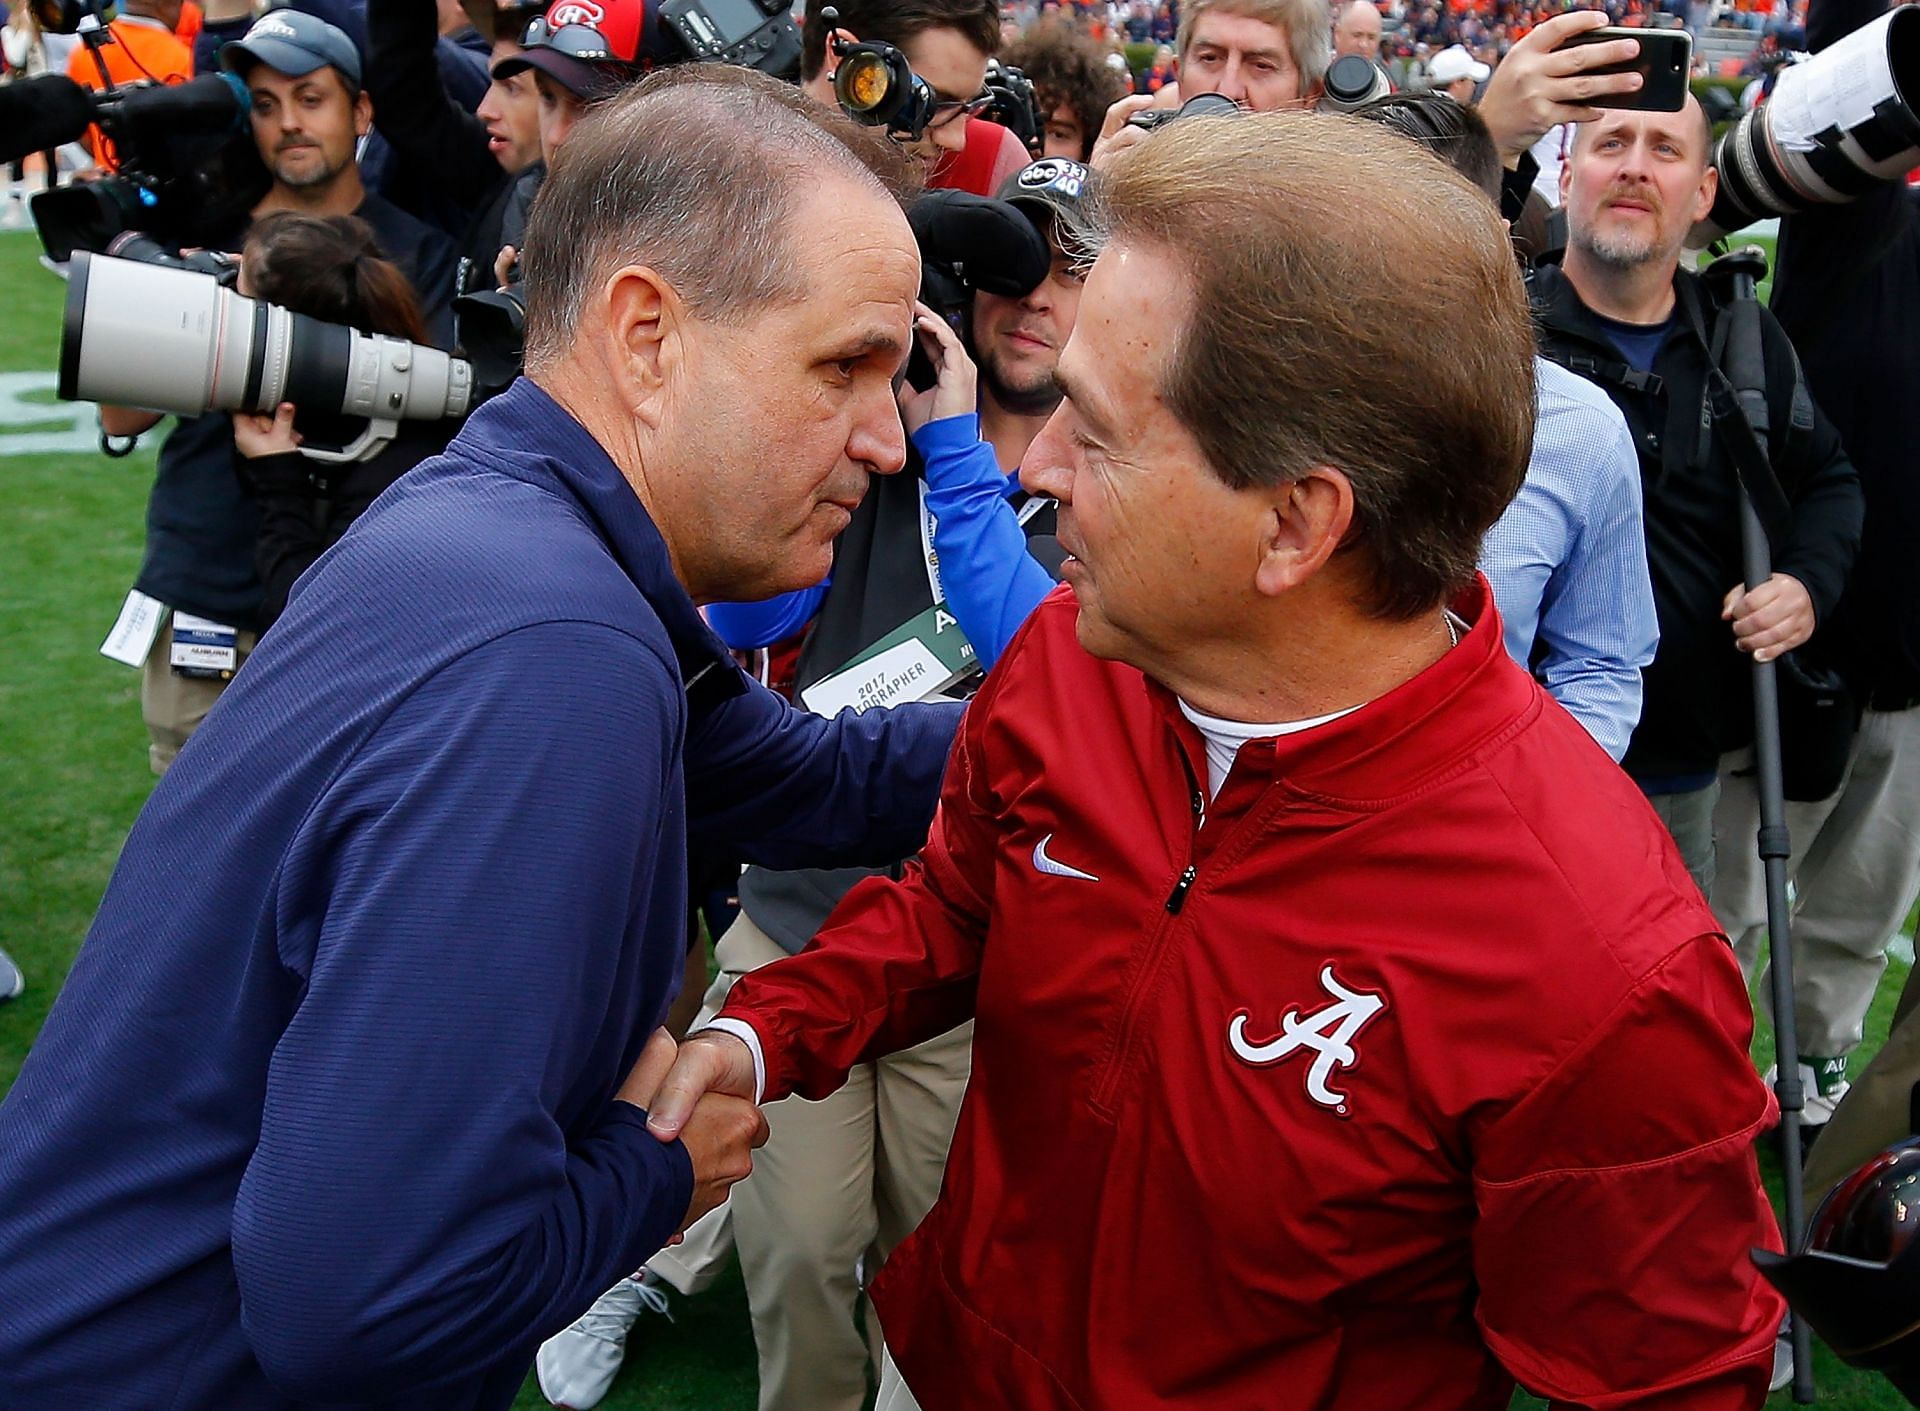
591 47
1454 63
292 43
1052 187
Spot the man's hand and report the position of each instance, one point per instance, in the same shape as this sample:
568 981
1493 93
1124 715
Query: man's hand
709 1062
706 1101
720 1136
954 392
503 264
653 1065
257 436
1774 618
1535 88
1116 137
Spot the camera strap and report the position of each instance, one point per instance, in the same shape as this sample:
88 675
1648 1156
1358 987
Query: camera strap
1721 412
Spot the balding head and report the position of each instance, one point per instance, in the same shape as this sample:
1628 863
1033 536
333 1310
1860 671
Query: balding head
1356 30
693 173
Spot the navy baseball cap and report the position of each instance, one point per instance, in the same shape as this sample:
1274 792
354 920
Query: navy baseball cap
293 43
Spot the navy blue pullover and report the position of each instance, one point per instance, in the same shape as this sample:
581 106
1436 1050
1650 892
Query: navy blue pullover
325 1113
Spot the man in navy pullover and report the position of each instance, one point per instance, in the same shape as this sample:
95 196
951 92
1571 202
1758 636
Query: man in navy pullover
343 1101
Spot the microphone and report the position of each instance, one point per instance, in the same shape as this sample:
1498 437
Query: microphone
997 245
210 104
39 114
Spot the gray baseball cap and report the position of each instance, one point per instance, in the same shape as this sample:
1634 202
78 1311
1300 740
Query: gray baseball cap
294 43
1052 187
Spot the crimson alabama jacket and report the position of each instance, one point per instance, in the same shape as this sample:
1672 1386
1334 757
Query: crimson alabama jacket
1410 1066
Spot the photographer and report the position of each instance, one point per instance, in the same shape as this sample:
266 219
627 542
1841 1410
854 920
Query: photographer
202 528
947 43
1622 312
330 268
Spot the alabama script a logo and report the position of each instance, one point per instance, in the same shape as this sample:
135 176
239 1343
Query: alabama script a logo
1329 1032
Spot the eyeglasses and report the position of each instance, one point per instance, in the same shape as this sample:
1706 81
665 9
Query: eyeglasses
948 109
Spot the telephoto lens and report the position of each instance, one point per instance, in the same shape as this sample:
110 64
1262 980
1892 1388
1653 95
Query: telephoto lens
1352 82
172 339
1836 126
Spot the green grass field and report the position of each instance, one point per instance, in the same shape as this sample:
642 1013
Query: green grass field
73 773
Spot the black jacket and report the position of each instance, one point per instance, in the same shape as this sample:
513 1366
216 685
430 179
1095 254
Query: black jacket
1698 700
305 505
438 143
1847 288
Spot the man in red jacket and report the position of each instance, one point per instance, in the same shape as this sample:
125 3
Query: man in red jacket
1320 963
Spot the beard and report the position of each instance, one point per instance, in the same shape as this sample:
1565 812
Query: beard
1619 249
1623 249
1035 397
307 172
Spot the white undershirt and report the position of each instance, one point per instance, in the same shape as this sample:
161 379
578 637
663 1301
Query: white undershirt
1225 737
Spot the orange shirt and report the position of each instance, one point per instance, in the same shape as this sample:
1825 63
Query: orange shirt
142 50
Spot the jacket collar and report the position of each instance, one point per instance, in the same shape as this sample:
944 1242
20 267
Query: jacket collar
1560 309
569 460
1415 738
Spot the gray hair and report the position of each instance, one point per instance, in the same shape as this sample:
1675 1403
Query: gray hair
693 173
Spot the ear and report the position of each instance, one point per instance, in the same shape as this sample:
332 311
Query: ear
1307 520
645 326
362 114
1566 169
829 62
1709 188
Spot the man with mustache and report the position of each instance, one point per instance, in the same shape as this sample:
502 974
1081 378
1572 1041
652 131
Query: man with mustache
309 112
1620 311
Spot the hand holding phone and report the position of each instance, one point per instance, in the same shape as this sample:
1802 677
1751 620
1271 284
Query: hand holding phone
1542 83
1664 63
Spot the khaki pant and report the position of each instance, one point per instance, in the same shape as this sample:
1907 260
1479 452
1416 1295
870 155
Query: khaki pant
1856 870
1689 820
174 705
839 1183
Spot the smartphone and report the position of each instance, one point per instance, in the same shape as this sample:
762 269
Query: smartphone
1664 63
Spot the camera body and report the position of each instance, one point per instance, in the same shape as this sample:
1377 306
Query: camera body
758 34
188 169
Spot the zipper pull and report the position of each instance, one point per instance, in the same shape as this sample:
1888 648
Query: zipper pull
1180 890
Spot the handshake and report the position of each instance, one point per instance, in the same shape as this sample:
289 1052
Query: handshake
701 1092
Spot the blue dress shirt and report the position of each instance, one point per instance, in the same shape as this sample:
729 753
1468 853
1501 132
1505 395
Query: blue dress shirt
1568 560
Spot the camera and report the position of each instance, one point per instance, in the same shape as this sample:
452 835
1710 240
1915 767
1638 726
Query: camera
1015 105
759 34
974 243
1201 105
187 167
1836 126
162 332
1352 82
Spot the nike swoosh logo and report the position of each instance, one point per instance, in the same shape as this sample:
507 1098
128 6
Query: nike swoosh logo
1043 863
